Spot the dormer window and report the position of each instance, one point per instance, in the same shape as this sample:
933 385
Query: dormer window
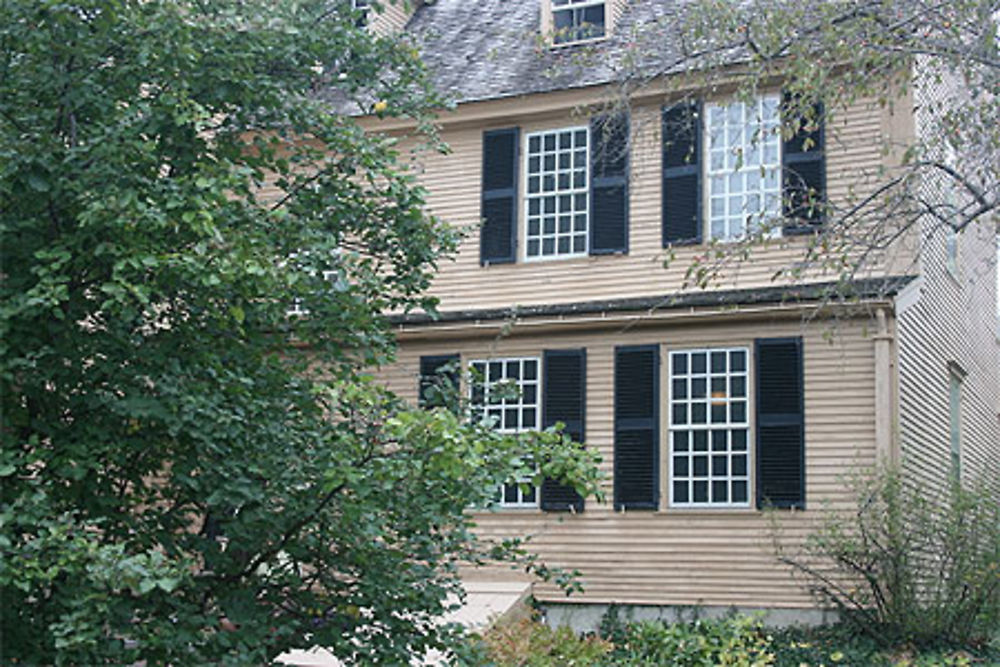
361 7
577 20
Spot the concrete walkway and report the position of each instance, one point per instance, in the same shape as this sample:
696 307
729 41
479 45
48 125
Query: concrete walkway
485 601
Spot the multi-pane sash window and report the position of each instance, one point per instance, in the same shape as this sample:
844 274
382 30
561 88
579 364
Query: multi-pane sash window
557 196
577 20
709 428
743 166
505 394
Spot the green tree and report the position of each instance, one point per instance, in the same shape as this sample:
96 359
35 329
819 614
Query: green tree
197 255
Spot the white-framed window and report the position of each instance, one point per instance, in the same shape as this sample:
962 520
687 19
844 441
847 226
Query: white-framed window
557 200
955 377
506 393
742 166
709 428
577 20
362 7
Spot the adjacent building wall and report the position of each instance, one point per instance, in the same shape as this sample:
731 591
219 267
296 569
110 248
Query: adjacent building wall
948 324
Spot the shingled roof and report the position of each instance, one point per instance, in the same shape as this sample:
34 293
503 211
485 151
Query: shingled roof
489 49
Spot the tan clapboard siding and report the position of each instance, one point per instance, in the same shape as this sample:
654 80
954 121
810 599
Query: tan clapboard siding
950 318
453 183
392 16
616 9
683 556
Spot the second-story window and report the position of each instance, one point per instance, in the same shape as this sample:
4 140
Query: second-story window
744 166
577 20
557 193
728 173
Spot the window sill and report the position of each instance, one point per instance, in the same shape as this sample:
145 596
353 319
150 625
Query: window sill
579 42
523 511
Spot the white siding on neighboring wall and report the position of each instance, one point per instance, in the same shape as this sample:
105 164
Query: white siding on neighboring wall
950 321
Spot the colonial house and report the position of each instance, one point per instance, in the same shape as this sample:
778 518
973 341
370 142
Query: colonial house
706 404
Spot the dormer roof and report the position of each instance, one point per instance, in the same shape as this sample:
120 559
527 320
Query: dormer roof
489 49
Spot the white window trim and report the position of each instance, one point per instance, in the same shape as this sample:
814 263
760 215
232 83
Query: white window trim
956 381
519 504
579 4
747 424
526 196
705 175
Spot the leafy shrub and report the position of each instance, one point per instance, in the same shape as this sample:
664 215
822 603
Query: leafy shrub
906 567
826 645
736 640
527 642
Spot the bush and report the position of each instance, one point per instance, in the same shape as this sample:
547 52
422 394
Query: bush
906 567
736 640
527 642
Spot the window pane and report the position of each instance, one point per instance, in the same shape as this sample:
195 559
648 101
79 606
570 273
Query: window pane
680 466
698 362
680 441
720 466
700 466
680 364
700 441
680 414
681 492
680 388
739 492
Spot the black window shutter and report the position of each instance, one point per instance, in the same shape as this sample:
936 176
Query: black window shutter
781 475
682 174
498 235
609 137
564 382
804 174
433 371
636 463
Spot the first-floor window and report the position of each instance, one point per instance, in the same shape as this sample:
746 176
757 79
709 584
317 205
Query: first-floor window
557 193
505 395
709 428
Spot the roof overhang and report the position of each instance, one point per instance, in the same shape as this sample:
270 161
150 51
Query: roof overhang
858 299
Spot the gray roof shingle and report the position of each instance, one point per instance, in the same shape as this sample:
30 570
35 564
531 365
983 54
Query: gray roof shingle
489 49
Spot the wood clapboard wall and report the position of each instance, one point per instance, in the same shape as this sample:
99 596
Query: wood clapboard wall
950 318
673 556
453 182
